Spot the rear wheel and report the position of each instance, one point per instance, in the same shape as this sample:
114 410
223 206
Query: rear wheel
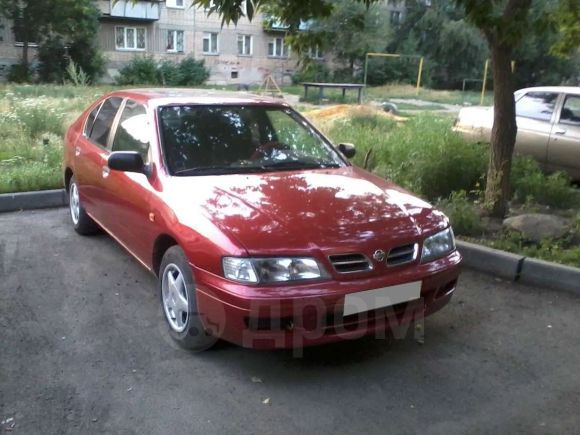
82 222
179 303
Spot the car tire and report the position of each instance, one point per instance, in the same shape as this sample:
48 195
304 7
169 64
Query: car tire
82 222
177 293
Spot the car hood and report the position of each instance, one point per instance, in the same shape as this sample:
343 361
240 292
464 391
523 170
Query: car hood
292 213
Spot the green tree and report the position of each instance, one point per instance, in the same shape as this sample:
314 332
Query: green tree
334 33
69 25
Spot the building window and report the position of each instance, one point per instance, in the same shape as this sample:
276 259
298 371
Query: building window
245 45
175 4
277 48
210 43
175 41
315 53
130 38
395 17
21 33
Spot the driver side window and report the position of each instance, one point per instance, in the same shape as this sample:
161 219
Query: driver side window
571 111
133 130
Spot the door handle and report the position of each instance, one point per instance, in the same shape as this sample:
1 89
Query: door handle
560 131
106 171
77 151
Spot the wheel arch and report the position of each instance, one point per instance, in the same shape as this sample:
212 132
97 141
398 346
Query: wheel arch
161 245
68 174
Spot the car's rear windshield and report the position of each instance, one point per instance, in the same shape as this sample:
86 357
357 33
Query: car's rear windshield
204 140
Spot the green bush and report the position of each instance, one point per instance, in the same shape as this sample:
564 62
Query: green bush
192 72
144 70
530 184
141 70
311 71
463 214
19 73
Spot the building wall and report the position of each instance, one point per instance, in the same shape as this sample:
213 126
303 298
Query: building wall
226 66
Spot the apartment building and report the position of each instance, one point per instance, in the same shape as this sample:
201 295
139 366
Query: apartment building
173 29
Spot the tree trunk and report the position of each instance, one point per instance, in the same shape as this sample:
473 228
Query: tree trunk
25 54
503 133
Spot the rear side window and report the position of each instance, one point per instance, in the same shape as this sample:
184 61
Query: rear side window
104 121
133 130
537 105
91 120
571 111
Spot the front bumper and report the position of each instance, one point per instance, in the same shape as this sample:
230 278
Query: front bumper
311 314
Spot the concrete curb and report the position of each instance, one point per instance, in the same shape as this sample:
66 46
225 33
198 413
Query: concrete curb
515 267
33 200
549 275
492 261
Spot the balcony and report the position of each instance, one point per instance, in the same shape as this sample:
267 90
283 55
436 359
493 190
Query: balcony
274 24
127 10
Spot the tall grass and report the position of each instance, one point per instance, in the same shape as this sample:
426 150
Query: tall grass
422 155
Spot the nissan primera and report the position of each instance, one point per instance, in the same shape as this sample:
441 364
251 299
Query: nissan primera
258 228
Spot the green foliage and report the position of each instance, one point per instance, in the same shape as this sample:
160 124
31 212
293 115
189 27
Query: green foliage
463 214
193 72
531 184
76 74
141 70
19 73
51 22
564 251
312 71
423 155
52 60
145 70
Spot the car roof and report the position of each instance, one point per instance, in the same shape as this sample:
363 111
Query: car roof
560 89
167 96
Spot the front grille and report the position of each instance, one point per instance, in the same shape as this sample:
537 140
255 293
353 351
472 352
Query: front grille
402 254
349 263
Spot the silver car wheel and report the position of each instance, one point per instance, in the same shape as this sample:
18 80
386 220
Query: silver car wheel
75 205
174 296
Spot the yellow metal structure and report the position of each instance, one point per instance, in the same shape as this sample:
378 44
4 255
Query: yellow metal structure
485 69
419 75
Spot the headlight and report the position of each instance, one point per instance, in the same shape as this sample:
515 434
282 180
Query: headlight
438 245
269 270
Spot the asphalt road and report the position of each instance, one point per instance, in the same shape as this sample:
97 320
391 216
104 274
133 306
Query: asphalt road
83 349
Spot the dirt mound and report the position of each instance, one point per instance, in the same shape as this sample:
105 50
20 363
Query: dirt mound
340 111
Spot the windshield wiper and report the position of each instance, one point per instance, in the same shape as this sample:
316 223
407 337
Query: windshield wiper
299 164
218 170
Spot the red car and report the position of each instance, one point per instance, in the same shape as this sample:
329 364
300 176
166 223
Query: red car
258 228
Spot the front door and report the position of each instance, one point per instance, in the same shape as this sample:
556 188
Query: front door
127 195
564 147
534 112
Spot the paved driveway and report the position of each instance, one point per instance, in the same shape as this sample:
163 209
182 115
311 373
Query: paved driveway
83 349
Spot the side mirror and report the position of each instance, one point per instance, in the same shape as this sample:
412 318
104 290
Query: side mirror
127 161
347 149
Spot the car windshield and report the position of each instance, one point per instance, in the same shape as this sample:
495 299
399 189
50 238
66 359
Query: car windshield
204 140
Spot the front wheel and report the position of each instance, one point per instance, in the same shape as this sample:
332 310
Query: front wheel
179 303
82 222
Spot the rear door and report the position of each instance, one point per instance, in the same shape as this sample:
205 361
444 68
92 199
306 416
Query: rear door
91 155
126 194
535 112
564 147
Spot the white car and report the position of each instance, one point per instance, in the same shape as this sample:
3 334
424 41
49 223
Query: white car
548 121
